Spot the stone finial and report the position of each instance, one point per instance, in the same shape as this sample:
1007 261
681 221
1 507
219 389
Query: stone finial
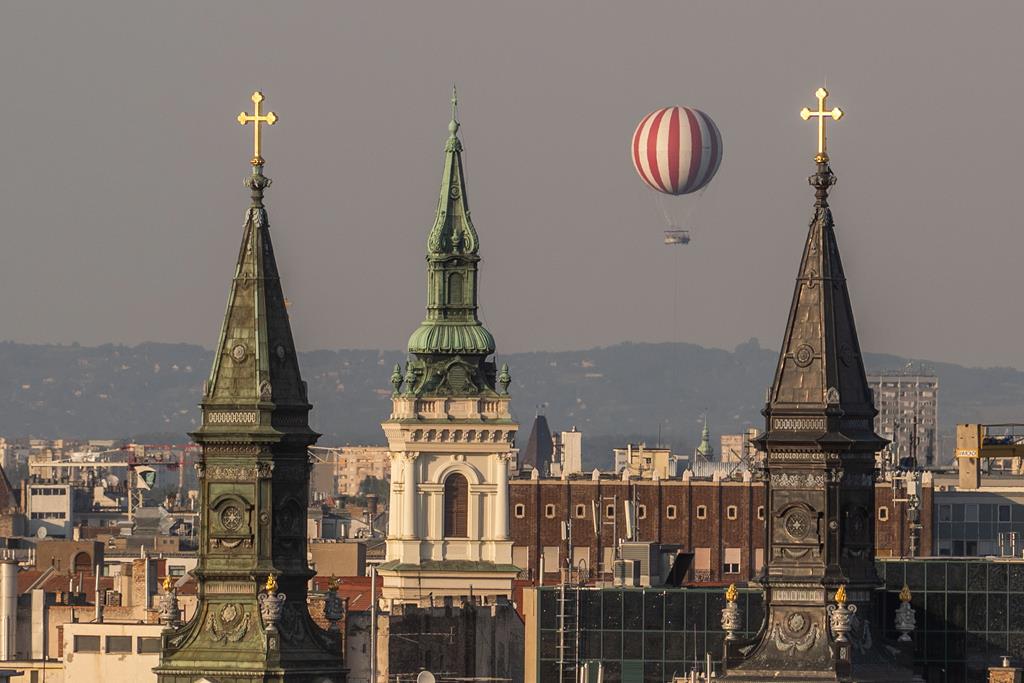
504 379
396 379
906 619
841 616
732 619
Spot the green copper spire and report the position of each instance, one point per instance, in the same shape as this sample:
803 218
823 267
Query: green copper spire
705 449
451 335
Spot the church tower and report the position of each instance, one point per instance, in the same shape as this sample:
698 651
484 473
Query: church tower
252 622
819 438
450 434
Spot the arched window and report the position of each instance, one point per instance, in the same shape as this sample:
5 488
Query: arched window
456 506
83 563
455 288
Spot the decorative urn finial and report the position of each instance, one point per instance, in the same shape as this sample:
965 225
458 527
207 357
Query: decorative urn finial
732 620
333 609
170 610
271 603
906 619
841 615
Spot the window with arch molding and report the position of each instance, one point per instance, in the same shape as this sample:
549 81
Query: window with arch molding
731 512
702 512
760 512
456 506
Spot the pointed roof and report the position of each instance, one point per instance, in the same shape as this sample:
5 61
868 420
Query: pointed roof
255 363
538 447
450 348
821 369
704 449
453 231
451 325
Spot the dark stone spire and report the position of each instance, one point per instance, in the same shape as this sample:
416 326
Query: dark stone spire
821 364
820 443
538 447
450 348
252 621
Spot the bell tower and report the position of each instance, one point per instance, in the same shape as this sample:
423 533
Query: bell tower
252 622
450 434
819 438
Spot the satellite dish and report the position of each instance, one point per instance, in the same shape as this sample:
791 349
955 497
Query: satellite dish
111 481
41 532
425 677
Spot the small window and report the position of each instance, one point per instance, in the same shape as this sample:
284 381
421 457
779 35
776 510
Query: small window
760 512
148 646
581 511
119 644
731 561
176 570
641 512
670 512
610 512
87 643
731 512
520 511
883 513
702 512
549 511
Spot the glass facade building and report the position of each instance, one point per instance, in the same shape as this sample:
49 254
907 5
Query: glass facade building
970 613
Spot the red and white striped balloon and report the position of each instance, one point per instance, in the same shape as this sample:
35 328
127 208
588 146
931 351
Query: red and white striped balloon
677 150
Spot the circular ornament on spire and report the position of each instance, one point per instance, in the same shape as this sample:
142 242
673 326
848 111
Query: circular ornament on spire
677 150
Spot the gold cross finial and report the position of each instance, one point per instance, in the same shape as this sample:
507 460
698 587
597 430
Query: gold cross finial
836 113
270 118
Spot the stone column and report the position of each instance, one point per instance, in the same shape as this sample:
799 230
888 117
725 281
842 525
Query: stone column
501 499
409 495
394 528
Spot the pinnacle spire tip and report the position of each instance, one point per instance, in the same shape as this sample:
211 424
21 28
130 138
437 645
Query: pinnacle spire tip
453 126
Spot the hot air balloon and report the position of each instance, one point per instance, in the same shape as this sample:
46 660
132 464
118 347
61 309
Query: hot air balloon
676 151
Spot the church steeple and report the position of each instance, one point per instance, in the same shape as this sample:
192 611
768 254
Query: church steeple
451 346
820 449
254 485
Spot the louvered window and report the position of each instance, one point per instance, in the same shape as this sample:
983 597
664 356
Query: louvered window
456 506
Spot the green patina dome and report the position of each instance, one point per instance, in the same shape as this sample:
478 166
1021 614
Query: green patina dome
451 338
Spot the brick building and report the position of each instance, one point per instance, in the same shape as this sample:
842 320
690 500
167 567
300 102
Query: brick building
716 525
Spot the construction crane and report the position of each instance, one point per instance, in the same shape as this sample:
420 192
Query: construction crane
977 442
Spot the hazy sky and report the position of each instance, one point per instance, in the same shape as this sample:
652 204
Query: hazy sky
121 162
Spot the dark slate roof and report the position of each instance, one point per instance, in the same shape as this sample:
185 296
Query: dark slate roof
821 369
538 447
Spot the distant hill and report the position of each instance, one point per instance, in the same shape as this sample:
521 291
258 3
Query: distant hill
611 393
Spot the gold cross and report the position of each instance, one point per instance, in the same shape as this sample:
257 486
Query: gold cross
270 118
822 114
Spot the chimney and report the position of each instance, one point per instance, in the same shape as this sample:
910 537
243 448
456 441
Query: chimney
371 510
98 597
